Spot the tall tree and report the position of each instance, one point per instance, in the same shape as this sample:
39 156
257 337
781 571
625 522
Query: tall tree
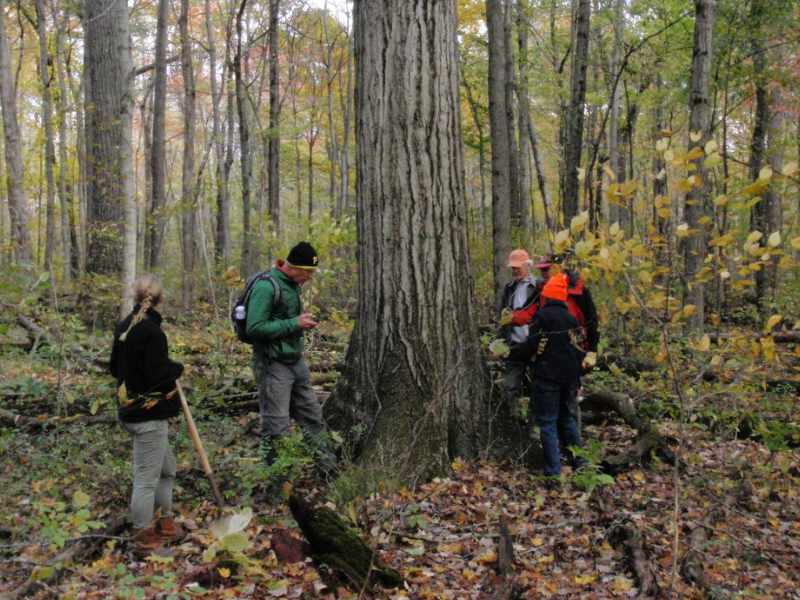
501 132
65 182
17 203
274 118
615 161
700 130
524 123
188 212
413 373
49 142
244 142
158 160
107 62
574 118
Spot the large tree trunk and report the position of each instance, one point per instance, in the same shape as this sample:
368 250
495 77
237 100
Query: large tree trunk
413 377
49 142
188 230
155 217
107 62
274 158
574 122
518 213
17 203
500 130
699 123
524 124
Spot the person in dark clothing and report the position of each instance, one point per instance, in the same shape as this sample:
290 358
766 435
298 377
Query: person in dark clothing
147 398
553 345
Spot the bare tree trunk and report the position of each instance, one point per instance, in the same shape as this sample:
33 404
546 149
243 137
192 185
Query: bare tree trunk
331 141
244 144
155 217
221 240
274 120
414 375
107 63
772 197
500 129
473 106
65 184
699 124
80 203
346 105
574 126
616 212
49 143
518 212
188 212
524 123
17 203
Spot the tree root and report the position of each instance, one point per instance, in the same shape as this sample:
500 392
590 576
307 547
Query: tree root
630 539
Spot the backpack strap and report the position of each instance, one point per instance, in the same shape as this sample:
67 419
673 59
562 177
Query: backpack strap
263 276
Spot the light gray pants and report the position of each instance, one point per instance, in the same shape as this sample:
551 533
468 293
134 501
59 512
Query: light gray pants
285 393
153 471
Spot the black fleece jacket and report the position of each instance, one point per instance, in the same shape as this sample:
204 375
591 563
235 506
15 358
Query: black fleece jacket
142 363
552 341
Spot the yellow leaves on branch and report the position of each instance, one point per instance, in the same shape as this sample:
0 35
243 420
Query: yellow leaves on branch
774 239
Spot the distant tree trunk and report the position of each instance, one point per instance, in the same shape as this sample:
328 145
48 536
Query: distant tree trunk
146 120
221 239
17 203
331 140
660 192
500 130
772 197
49 142
346 106
274 119
244 144
107 62
79 241
188 212
616 212
518 210
524 123
154 238
574 125
476 119
699 123
65 183
413 375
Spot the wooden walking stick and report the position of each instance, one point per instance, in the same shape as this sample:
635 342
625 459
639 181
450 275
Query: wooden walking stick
198 446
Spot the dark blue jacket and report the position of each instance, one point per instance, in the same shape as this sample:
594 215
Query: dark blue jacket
553 345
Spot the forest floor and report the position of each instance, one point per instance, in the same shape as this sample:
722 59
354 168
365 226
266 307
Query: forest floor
65 477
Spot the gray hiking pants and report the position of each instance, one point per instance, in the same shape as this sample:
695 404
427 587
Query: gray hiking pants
285 393
153 471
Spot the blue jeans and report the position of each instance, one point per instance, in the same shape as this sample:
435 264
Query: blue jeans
556 407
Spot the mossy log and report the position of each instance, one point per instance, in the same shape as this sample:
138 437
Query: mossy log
338 546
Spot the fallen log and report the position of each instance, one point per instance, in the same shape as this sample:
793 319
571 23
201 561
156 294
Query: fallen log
627 536
11 419
76 350
338 546
648 440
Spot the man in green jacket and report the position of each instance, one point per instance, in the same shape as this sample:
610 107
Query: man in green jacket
276 329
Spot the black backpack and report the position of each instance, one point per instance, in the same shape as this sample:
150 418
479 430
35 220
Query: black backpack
239 312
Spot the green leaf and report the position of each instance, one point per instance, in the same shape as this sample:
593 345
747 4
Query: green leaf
235 542
80 499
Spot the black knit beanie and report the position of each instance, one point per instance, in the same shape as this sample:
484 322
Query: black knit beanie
303 256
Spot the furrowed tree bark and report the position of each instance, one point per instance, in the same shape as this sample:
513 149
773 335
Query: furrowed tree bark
155 229
188 212
414 378
500 131
699 124
107 62
574 123
17 202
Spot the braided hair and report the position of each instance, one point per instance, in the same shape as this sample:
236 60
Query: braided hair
147 293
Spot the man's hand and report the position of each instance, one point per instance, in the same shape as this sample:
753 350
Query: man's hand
306 321
589 361
506 316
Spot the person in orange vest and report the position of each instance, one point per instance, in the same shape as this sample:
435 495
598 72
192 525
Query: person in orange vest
579 303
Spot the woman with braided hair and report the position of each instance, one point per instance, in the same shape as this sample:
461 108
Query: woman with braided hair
147 398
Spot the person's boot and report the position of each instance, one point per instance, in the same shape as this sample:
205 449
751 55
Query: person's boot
170 529
148 539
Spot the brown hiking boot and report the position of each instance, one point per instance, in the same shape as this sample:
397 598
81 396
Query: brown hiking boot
169 528
148 539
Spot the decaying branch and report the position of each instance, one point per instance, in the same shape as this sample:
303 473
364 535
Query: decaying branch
627 536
